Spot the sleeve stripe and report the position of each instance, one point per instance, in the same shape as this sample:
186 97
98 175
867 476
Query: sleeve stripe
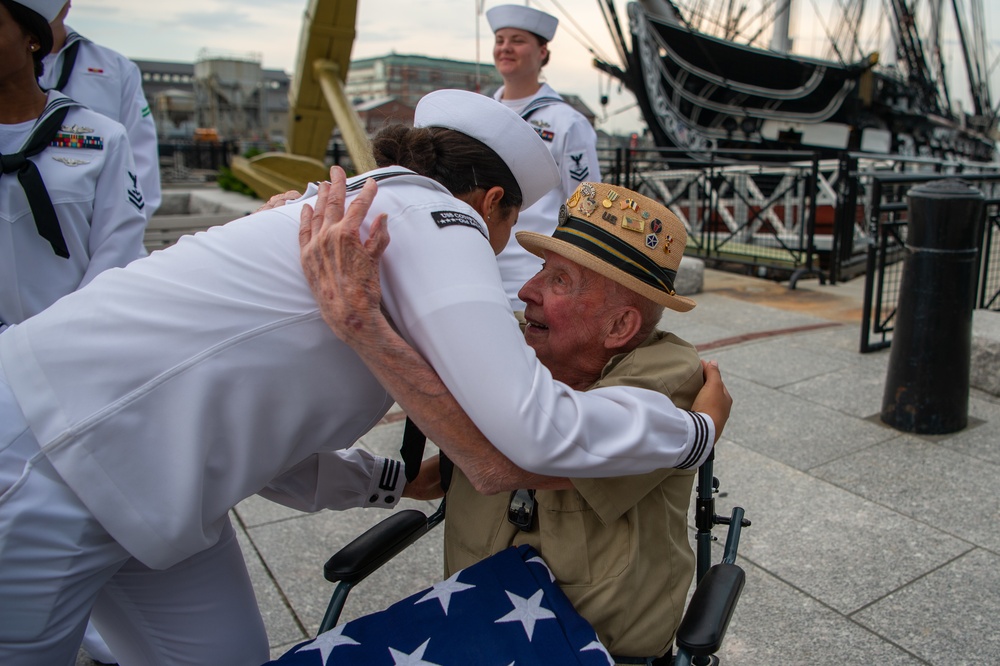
701 433
390 474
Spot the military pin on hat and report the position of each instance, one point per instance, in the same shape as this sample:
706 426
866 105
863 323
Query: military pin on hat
642 253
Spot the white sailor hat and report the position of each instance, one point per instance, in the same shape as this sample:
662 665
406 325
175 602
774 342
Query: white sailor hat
47 8
523 18
492 123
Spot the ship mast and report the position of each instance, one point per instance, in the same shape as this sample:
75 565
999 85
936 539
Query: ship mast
911 50
974 54
780 40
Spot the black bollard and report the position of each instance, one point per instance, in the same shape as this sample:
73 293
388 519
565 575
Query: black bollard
927 383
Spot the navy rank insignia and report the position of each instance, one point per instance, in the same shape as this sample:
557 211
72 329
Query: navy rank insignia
134 193
450 218
578 172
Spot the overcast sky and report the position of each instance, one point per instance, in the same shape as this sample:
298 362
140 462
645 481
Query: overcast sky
180 29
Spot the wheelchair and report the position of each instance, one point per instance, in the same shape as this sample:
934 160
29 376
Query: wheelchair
705 620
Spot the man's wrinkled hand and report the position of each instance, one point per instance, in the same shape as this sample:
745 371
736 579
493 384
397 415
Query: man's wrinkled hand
342 271
279 200
427 485
714 398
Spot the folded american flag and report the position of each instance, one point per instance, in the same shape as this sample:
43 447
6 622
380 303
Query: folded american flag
503 610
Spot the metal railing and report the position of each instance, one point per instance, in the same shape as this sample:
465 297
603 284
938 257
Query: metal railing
758 214
201 155
775 213
887 220
989 274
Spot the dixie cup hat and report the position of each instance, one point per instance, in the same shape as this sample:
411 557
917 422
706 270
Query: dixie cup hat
523 18
624 236
492 123
49 9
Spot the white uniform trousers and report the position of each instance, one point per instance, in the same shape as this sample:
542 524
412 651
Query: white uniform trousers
199 611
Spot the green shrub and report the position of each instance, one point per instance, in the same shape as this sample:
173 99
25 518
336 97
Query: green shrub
227 180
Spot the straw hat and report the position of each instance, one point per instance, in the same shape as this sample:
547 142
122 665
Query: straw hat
487 120
622 235
523 18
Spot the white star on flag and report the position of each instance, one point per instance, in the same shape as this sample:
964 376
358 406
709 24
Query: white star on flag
415 659
599 647
539 560
327 641
526 611
442 591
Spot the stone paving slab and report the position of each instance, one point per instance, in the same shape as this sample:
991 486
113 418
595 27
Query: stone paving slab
983 441
718 317
777 624
929 482
775 363
793 430
844 342
282 624
298 570
853 391
839 548
949 616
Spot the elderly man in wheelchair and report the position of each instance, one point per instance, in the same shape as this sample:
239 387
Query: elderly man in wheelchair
618 548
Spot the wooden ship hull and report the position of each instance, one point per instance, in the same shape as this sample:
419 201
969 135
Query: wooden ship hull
702 93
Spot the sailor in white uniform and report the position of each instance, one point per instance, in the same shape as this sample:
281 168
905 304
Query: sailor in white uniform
70 206
520 50
145 406
87 171
69 199
110 84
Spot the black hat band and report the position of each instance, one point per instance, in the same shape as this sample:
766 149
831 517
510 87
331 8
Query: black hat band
616 252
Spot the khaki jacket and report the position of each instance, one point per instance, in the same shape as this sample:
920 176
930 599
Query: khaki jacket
618 547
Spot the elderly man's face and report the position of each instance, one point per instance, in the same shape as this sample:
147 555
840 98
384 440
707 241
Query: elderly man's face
566 308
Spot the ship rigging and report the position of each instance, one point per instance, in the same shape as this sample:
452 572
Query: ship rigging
711 74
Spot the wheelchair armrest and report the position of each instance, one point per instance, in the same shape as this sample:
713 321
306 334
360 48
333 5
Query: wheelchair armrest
370 550
707 616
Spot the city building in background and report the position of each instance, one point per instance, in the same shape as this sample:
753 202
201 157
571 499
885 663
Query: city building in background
226 104
407 78
230 98
233 97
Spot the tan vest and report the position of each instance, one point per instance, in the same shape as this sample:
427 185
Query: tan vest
618 547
